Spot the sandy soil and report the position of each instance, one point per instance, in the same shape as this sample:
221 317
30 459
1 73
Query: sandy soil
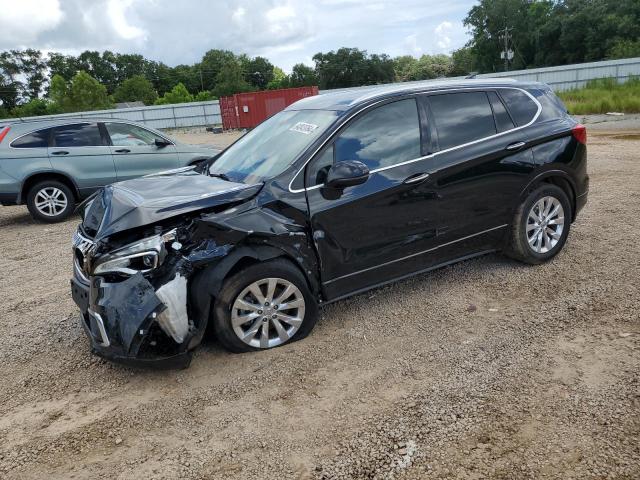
487 369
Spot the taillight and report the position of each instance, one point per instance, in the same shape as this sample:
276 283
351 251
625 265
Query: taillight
580 133
3 133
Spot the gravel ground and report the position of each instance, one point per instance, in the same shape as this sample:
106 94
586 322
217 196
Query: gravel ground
486 369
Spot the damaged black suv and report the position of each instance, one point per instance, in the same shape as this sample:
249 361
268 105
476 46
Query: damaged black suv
335 195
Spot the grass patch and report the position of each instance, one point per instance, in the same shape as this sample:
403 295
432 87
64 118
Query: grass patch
602 96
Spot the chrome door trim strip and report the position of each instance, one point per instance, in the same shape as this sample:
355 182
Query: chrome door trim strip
414 254
431 92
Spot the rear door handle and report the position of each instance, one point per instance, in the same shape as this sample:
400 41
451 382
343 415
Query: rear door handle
123 150
60 152
417 178
516 146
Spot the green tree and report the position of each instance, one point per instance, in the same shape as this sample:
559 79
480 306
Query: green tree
204 96
136 89
66 66
99 66
36 107
210 66
259 72
302 76
624 49
82 93
10 85
178 94
231 80
404 68
280 79
463 62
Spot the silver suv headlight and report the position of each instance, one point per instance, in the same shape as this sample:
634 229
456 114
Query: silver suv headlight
138 257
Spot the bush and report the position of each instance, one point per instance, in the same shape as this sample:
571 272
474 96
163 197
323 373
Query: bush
602 96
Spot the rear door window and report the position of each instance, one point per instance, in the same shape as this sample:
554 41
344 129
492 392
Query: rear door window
461 118
520 105
382 137
77 135
39 139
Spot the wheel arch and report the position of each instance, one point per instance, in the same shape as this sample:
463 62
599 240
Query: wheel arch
37 177
559 178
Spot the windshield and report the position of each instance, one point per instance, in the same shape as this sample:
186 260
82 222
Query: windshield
272 146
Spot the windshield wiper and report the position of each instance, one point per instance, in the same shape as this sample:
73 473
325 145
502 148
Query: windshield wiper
220 175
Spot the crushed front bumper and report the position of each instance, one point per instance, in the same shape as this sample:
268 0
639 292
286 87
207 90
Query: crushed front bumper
120 321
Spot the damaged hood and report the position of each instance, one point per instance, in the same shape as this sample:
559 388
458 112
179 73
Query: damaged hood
146 200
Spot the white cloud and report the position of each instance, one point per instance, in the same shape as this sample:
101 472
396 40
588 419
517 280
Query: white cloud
22 21
443 35
285 31
411 42
117 11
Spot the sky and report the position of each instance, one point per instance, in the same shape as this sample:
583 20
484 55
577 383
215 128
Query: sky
286 32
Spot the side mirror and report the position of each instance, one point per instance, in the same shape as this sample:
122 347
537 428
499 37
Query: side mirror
347 174
161 143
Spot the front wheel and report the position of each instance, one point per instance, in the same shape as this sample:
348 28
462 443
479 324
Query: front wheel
264 306
541 225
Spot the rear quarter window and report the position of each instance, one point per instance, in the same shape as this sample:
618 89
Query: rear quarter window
39 139
552 107
520 105
461 118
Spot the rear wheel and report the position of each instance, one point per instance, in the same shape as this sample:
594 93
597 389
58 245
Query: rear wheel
50 201
541 225
264 306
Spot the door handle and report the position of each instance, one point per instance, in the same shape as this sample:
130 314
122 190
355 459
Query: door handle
417 178
123 150
516 146
60 152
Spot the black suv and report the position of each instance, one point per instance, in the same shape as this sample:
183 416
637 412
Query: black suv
337 194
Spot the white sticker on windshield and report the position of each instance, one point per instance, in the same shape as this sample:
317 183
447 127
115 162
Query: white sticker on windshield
303 127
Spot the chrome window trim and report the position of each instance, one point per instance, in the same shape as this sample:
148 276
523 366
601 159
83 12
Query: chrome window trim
431 155
414 254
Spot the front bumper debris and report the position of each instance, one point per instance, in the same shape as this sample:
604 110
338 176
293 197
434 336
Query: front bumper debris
121 321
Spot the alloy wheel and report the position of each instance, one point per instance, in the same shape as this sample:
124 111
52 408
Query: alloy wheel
268 312
51 201
545 224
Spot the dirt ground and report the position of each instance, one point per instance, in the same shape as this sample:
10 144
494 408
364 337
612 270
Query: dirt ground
486 369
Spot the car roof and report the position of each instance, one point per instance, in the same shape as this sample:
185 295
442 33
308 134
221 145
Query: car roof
47 122
348 98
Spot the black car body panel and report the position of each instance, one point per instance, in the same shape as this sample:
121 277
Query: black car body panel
433 206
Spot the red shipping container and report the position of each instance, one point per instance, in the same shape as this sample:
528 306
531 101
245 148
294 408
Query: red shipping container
246 110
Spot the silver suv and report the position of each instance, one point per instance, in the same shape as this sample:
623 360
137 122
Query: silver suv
52 164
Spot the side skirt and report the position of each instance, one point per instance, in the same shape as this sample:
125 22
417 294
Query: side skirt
409 275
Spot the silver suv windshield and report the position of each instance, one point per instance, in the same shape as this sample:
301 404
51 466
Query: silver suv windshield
271 147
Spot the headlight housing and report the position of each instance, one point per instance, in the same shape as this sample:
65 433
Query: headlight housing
139 257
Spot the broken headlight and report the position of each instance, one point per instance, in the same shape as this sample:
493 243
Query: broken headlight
141 256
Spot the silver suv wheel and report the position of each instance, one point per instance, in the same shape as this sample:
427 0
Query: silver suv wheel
545 224
50 201
268 312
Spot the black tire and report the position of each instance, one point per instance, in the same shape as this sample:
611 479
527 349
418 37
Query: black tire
56 216
236 284
518 247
